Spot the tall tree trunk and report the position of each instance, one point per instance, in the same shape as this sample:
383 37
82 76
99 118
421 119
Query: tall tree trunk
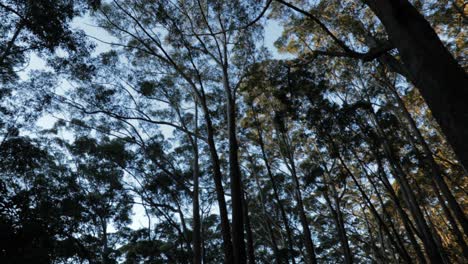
248 229
337 215
275 187
436 172
289 159
434 71
197 248
455 230
184 225
105 242
238 242
398 243
433 252
342 233
340 228
378 256
408 225
410 233
269 222
217 177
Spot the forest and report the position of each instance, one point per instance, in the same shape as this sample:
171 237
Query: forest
240 131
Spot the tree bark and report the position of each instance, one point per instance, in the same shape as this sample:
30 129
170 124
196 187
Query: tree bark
217 177
434 71
197 248
238 242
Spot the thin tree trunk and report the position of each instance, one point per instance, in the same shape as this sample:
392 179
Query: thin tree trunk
309 244
269 222
456 232
408 225
11 43
337 217
105 247
397 244
184 226
433 252
289 159
340 229
288 156
434 172
344 237
373 243
197 248
413 241
275 188
217 177
248 229
434 167
238 242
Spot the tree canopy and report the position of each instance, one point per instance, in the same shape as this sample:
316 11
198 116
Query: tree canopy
172 131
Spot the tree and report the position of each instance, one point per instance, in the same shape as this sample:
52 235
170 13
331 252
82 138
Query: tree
39 27
425 62
122 154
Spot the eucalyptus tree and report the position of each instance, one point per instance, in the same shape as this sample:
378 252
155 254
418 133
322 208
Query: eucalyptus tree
423 59
113 103
39 27
269 88
103 201
439 185
54 210
195 45
31 202
255 125
330 156
336 115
